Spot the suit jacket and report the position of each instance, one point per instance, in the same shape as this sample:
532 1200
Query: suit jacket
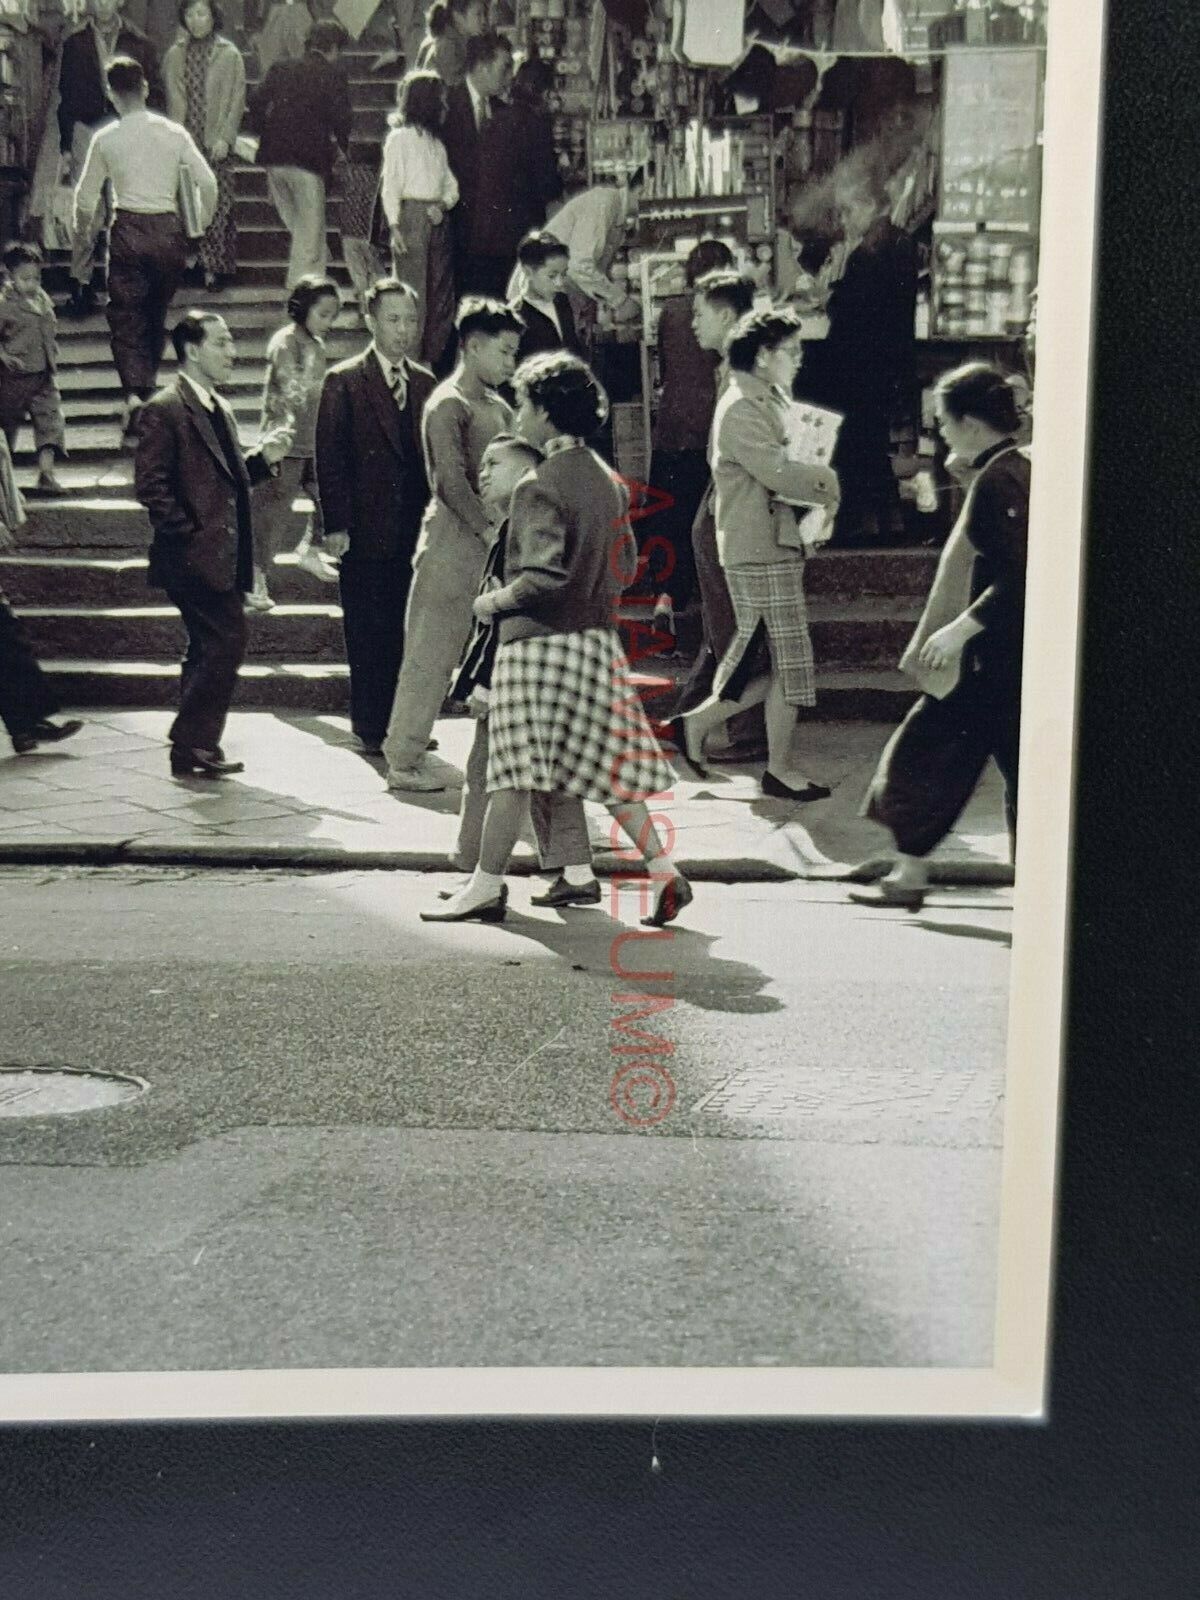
370 468
522 180
82 92
300 111
464 149
540 333
199 512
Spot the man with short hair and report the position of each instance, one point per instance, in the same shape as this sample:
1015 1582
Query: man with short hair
83 106
470 107
302 114
372 488
141 156
463 416
194 481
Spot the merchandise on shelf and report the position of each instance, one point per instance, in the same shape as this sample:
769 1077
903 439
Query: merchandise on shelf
982 282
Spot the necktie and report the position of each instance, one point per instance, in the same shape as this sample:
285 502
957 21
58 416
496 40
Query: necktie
483 112
399 388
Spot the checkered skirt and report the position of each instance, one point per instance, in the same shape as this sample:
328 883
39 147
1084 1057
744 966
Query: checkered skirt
565 718
772 596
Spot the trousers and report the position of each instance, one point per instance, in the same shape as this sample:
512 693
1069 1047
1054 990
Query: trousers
931 765
426 267
559 820
146 260
216 629
299 198
447 573
25 693
374 597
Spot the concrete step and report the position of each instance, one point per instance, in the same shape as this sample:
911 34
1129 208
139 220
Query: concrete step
842 695
155 633
103 582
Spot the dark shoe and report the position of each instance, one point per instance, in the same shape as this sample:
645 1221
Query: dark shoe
672 898
678 737
369 747
562 893
23 743
82 302
47 732
206 763
893 896
492 911
432 745
779 791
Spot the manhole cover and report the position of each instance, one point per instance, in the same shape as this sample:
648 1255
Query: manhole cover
55 1091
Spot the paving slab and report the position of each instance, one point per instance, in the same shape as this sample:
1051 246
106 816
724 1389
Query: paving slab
309 799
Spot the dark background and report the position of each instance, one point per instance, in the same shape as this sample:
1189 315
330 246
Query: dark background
1095 1504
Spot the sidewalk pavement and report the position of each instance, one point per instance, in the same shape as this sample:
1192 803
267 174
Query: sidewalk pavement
308 799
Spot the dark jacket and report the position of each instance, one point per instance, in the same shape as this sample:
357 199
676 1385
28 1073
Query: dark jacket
464 151
300 111
689 380
370 468
998 528
522 180
198 511
83 94
869 354
570 551
540 333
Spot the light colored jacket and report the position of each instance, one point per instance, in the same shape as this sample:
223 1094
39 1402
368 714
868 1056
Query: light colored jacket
296 367
224 94
28 332
751 471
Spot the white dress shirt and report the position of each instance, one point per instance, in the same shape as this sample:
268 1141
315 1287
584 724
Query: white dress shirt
590 225
141 155
415 167
479 104
206 398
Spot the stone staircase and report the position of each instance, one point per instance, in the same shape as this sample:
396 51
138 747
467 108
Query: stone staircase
79 575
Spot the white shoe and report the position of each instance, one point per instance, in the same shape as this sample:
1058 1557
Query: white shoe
420 779
259 600
318 564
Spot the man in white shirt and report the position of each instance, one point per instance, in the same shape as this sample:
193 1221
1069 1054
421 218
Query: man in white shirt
144 156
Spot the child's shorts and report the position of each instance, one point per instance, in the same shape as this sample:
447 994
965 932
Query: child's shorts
33 395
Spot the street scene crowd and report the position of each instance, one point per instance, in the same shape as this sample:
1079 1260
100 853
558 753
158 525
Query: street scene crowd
461 466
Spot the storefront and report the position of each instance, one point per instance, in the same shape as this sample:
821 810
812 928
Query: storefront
752 124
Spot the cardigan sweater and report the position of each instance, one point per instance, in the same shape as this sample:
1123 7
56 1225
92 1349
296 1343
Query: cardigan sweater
224 91
751 470
28 332
570 551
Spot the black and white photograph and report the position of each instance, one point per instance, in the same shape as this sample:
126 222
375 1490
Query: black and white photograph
539 608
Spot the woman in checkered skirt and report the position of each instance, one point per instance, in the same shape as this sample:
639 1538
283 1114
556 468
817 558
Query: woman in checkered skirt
761 550
564 717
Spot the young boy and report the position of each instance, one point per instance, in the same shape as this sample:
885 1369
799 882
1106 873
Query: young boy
559 822
29 360
545 307
462 416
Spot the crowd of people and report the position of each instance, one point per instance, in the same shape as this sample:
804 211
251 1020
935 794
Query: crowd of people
480 538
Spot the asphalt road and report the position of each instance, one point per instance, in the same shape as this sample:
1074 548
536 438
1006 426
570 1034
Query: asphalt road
370 1142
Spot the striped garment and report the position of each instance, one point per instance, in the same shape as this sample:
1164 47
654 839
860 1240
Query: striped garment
773 595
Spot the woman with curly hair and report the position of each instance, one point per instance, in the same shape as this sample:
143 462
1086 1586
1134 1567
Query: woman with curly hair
563 716
417 189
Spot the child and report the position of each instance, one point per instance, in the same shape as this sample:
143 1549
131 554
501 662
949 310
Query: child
27 702
29 360
544 306
462 417
417 189
559 823
296 364
563 715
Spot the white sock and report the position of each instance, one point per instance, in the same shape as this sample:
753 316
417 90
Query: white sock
578 876
486 884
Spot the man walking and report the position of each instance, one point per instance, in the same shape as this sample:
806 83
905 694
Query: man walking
301 112
83 107
373 490
142 155
194 481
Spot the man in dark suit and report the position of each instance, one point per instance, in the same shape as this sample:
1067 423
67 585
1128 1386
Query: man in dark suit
83 105
373 491
194 481
482 264
302 113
